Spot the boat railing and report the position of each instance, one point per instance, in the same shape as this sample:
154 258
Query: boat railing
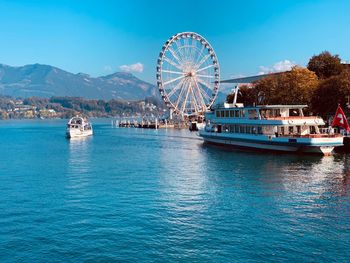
317 135
291 118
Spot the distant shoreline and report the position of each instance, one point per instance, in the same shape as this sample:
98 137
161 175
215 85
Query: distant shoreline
67 107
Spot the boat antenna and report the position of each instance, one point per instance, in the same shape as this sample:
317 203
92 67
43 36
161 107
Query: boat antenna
236 94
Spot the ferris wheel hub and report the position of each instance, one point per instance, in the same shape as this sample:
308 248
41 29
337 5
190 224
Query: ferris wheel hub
191 74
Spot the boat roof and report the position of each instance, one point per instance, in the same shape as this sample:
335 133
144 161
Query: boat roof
281 106
250 79
228 106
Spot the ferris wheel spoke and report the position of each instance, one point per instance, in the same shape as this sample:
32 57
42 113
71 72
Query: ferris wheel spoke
200 53
173 80
204 82
191 47
179 50
193 53
195 100
172 63
174 54
173 72
185 100
192 98
186 44
203 91
205 76
180 94
201 69
200 95
203 60
176 88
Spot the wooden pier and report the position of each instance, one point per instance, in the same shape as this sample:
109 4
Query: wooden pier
143 124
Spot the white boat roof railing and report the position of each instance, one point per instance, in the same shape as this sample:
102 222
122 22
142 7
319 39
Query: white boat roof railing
240 105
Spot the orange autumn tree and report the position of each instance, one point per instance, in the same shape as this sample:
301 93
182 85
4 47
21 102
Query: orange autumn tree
292 87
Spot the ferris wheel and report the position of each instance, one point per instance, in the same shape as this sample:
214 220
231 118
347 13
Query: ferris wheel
188 74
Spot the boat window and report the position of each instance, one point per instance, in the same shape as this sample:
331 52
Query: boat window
222 113
252 114
259 130
263 114
242 113
290 129
218 114
242 129
232 128
232 113
298 129
294 112
236 113
236 128
312 130
277 113
282 130
226 114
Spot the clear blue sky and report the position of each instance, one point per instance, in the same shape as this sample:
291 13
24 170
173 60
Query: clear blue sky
97 37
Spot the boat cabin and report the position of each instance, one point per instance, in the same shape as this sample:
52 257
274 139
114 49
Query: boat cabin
276 120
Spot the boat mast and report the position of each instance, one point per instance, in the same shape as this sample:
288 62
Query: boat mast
236 89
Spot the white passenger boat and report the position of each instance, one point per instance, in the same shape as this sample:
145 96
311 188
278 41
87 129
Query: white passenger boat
269 127
78 127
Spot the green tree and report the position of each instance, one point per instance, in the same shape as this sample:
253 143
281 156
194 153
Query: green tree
331 92
325 65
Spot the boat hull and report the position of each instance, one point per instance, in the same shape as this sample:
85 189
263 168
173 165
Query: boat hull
323 147
75 133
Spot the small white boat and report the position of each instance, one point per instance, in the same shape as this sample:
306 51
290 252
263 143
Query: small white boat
78 127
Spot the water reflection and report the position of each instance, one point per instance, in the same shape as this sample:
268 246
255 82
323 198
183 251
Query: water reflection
79 167
184 186
299 185
79 155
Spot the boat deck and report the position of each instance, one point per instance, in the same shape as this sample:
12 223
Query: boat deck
320 135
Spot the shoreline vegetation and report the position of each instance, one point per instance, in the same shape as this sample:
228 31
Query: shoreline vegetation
322 85
67 107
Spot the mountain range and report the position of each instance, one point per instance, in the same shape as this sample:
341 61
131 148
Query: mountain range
47 81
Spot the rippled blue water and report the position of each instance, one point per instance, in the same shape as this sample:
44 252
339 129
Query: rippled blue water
133 195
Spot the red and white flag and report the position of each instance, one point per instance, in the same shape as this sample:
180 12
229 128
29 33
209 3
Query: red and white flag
340 119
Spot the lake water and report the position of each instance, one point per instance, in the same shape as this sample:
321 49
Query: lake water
133 195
